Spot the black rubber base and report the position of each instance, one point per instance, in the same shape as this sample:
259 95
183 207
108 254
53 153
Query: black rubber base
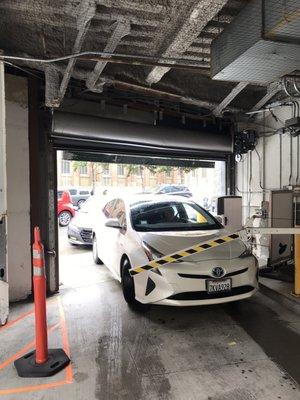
27 367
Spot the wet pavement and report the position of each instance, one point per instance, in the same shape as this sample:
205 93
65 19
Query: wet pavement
242 351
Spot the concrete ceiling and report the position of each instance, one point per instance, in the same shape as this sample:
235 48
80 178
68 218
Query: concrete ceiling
173 29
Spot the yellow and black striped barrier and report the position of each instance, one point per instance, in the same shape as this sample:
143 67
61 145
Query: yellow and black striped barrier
198 248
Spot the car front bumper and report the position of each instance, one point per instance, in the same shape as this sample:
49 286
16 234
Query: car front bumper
184 284
80 236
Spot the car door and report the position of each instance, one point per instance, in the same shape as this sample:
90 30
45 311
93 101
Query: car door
104 234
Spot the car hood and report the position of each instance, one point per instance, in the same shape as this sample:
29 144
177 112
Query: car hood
172 242
83 220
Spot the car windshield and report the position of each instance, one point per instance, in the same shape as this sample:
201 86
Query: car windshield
171 216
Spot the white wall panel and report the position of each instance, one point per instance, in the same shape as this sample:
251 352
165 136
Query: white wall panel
253 193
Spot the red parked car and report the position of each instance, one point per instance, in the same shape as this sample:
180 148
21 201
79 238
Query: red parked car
65 209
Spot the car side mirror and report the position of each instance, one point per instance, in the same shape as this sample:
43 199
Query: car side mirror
113 223
219 219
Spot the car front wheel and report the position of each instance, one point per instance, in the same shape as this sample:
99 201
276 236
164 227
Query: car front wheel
128 288
95 252
64 218
80 203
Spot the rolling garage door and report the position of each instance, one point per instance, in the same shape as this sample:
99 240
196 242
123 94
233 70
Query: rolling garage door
77 132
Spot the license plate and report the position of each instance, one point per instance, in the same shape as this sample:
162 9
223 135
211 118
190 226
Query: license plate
214 286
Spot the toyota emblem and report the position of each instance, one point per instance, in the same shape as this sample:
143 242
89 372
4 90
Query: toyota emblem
218 272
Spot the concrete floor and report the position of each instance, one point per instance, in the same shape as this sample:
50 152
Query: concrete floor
232 352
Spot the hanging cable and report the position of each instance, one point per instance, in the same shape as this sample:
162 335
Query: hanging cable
103 54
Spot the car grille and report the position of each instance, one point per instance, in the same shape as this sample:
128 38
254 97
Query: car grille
203 295
86 235
197 276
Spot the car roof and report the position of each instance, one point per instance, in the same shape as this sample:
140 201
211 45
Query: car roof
135 199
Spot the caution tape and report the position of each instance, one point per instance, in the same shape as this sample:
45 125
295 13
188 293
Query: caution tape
198 248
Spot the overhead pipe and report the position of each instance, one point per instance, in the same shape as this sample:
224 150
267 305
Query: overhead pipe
280 161
291 160
298 159
133 59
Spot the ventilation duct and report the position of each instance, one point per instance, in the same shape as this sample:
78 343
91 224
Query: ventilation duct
261 45
81 132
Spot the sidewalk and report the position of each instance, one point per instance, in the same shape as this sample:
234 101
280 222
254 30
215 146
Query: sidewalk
281 292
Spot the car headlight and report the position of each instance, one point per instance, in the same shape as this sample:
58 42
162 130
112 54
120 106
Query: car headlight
247 252
74 228
151 253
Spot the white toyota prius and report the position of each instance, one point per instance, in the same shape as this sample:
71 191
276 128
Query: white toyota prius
130 233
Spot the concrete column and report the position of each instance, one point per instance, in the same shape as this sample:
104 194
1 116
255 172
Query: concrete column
18 191
3 205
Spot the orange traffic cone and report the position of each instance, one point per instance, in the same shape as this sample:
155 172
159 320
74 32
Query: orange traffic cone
41 362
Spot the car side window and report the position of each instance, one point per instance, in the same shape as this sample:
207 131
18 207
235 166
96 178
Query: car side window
119 212
73 192
108 209
84 192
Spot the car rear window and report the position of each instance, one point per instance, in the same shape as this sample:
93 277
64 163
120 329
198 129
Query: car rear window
171 216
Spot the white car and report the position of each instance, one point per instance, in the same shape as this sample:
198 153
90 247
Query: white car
131 232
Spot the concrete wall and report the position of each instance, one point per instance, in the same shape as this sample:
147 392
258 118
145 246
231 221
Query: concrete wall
268 150
18 195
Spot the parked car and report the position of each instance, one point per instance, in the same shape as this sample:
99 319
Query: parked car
65 209
174 190
129 234
78 195
80 228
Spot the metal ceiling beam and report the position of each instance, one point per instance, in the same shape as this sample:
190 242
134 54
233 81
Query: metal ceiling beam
122 28
201 104
85 12
273 89
196 20
228 99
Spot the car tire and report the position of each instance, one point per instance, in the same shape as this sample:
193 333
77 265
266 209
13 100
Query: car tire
80 203
128 288
64 218
95 252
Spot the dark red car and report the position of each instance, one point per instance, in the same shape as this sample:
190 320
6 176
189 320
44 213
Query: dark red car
65 209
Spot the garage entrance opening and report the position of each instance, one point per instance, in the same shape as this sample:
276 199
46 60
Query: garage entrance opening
87 182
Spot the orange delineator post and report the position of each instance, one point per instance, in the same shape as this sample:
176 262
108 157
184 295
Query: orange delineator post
42 362
39 287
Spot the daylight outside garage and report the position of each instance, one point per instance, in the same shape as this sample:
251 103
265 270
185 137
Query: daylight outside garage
93 184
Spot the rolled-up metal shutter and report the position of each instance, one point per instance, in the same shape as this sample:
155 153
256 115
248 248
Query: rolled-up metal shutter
81 132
